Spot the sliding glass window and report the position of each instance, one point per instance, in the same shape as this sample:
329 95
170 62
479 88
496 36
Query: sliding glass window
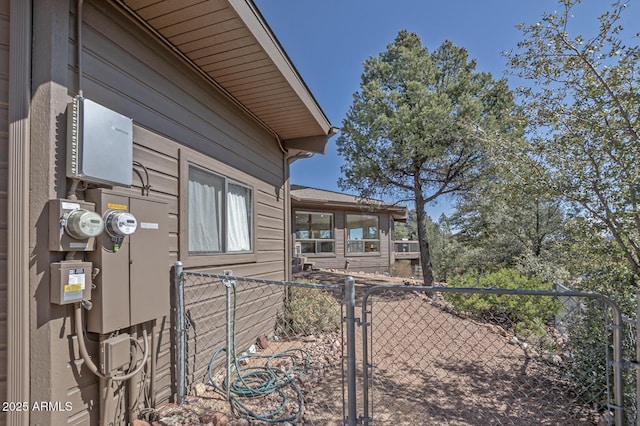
314 231
220 214
362 234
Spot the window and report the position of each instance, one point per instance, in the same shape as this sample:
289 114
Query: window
220 214
314 231
362 234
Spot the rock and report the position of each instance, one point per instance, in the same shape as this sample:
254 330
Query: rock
218 377
216 419
140 423
165 410
308 339
191 400
239 422
262 341
243 358
200 389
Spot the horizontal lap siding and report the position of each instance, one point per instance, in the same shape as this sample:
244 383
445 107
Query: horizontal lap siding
4 176
173 110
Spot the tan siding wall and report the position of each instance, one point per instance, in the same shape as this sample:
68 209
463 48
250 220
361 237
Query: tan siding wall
4 155
175 113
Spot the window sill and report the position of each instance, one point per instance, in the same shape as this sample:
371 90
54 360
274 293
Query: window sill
218 259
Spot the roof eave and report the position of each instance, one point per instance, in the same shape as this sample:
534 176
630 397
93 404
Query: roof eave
257 25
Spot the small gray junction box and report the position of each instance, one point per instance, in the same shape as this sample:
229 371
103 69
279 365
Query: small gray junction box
115 353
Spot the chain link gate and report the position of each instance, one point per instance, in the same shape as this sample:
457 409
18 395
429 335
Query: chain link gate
426 363
409 359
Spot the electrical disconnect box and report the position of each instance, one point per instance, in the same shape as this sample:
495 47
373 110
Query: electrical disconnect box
70 282
132 256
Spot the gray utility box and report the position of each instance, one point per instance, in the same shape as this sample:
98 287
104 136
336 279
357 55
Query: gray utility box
99 144
133 285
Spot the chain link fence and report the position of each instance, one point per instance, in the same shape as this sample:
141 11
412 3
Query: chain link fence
267 351
328 354
432 363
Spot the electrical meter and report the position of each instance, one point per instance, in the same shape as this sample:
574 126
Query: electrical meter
118 225
82 224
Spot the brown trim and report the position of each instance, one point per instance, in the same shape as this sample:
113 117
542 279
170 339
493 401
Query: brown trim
256 24
188 157
18 209
288 243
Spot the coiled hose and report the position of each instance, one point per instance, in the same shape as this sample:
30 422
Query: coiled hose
260 381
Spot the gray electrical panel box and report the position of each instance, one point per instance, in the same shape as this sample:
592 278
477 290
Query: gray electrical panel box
133 285
99 144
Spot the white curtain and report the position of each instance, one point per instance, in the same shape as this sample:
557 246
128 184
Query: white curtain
238 218
205 211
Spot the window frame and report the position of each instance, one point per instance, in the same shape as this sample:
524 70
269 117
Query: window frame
316 241
230 176
363 240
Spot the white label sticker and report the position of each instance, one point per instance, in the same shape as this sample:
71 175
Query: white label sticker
76 276
148 225
70 206
78 245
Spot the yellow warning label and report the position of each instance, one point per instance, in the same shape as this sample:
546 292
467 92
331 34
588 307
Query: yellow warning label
116 206
72 287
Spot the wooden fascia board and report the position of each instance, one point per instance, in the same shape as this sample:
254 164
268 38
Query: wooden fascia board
250 15
315 144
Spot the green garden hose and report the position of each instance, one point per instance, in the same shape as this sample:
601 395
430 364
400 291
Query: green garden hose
260 381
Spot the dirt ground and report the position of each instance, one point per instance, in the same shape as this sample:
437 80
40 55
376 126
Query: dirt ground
428 366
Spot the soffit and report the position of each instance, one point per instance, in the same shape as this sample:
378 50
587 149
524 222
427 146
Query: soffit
230 42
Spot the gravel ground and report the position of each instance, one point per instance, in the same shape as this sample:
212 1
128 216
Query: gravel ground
430 367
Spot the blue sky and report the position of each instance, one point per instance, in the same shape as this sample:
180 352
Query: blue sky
328 41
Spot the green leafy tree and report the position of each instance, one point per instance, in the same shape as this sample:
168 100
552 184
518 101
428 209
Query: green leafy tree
508 223
418 127
449 254
584 110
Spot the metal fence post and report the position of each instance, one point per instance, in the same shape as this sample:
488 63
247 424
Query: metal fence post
350 303
182 361
229 336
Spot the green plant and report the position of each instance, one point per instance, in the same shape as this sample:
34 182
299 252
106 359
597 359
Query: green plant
589 342
308 311
525 315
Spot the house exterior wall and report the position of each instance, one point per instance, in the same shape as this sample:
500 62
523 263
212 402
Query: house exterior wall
178 119
4 165
367 262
